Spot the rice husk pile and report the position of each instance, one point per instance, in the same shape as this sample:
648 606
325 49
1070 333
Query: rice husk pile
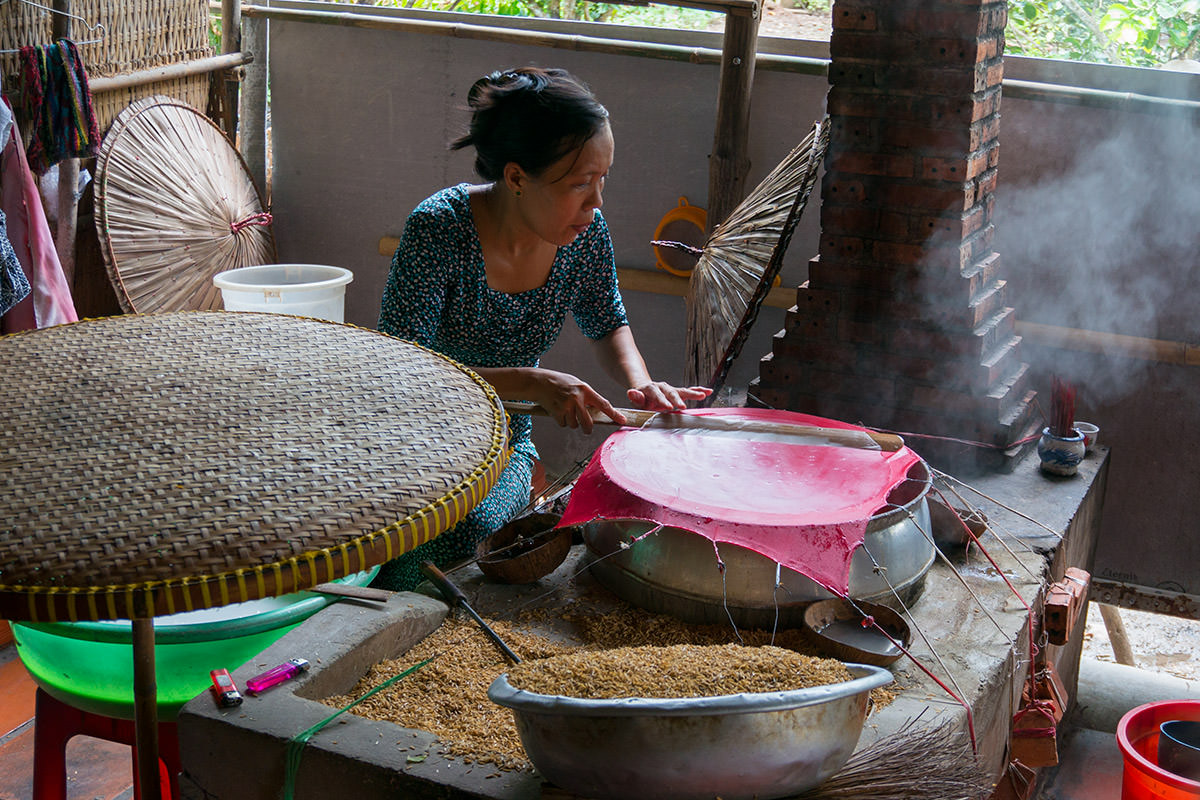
682 670
448 696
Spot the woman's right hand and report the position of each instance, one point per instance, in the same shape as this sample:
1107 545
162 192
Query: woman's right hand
569 400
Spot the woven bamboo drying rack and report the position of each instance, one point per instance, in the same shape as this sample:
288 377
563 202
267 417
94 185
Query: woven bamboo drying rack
138 36
161 463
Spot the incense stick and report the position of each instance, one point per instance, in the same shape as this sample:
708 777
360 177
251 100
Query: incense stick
1062 409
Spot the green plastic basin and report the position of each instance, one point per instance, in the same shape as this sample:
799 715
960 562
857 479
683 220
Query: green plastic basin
89 665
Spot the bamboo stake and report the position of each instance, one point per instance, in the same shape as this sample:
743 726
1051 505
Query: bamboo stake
231 42
145 709
636 418
182 70
67 205
252 110
730 162
1117 636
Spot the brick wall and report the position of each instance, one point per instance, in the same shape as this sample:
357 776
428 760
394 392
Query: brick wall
903 322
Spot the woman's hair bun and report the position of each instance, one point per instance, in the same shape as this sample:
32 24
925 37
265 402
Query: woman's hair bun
528 115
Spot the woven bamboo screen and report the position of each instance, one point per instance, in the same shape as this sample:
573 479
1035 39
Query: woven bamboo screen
137 35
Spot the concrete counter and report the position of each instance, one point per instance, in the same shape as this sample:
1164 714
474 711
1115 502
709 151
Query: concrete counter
972 633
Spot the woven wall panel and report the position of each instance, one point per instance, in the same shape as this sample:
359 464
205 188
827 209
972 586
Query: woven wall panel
139 34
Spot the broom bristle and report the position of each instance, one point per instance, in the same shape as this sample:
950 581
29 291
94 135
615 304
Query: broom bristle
917 762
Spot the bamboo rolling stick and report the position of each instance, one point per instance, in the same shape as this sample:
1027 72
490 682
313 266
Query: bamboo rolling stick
636 418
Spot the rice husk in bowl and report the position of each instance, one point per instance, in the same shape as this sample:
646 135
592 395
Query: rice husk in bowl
688 722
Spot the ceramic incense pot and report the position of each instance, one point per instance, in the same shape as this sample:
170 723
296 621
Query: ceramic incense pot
1061 455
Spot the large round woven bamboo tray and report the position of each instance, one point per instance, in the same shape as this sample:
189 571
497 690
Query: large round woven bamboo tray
162 463
175 204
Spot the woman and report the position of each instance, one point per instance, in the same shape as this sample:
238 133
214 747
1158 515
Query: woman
486 273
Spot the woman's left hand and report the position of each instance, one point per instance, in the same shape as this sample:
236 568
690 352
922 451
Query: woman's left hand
662 396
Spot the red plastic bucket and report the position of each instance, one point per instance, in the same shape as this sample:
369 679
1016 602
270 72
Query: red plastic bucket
1137 736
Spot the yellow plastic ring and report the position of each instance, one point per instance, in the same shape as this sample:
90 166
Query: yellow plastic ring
682 213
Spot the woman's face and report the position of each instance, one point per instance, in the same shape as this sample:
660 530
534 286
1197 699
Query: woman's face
560 204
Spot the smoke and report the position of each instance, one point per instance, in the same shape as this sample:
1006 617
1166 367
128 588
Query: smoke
1106 241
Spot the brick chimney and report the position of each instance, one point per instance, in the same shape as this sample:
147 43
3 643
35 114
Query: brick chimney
903 323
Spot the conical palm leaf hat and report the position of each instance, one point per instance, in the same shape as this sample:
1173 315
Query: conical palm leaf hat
741 259
175 204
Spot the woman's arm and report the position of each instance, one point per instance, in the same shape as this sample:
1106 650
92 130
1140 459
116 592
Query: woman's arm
565 397
619 355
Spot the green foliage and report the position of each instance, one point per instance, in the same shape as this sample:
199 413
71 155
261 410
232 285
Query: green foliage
1144 33
1132 32
552 9
655 16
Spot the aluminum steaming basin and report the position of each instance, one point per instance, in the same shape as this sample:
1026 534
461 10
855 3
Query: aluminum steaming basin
768 745
675 571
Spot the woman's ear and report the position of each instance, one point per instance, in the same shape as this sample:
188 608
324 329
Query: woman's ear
515 178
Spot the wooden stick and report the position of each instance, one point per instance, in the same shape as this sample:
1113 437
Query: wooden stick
1117 636
170 72
145 709
348 590
636 418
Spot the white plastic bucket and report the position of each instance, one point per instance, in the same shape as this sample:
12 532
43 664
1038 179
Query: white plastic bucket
306 290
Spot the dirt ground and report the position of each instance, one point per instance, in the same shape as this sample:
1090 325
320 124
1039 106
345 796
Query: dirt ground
794 23
1160 643
785 22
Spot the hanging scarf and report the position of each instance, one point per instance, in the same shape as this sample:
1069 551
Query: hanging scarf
58 104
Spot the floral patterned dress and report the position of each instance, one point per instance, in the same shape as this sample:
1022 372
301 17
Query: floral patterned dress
437 295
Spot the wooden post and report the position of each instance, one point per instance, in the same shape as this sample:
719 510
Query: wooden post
1117 636
68 170
145 709
729 164
231 42
253 116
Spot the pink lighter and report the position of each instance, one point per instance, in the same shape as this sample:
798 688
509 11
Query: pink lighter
276 675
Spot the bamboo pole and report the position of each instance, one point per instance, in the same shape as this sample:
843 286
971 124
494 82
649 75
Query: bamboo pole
145 709
636 418
1096 98
460 30
67 204
730 163
252 111
1159 350
1117 637
231 42
182 70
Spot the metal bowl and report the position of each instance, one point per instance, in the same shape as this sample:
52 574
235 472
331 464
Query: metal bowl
836 628
675 571
768 745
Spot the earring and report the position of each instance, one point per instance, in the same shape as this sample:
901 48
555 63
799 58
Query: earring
517 192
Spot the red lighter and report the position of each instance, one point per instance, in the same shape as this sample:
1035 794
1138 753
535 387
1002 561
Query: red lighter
225 692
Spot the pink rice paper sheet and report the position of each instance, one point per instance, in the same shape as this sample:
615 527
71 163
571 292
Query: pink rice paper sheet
804 505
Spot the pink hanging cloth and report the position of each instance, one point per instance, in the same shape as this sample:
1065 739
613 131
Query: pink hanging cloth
803 505
50 302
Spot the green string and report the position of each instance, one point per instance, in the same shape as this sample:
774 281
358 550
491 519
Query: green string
295 747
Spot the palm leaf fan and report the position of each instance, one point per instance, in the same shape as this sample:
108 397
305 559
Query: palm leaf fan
740 260
175 204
